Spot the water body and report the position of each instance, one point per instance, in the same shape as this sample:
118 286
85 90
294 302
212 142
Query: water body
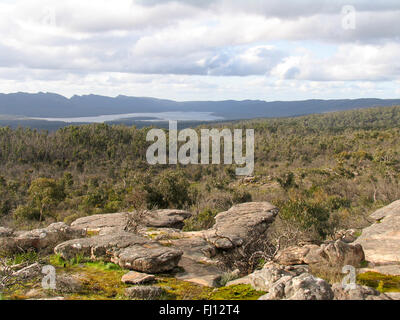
161 116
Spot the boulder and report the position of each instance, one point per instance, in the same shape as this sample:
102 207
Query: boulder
144 292
357 293
237 225
149 258
44 240
393 295
381 241
302 287
98 247
102 224
347 236
337 253
67 284
129 250
264 279
29 272
6 232
136 278
174 219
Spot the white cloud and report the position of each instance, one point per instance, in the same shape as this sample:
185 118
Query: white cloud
58 44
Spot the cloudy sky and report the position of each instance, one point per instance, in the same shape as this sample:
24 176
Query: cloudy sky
202 50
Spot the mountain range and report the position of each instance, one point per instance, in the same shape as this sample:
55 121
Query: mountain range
42 105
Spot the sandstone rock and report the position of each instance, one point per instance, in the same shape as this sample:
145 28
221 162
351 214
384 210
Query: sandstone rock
6 232
393 295
50 299
297 255
166 218
381 241
136 278
129 250
102 223
195 264
98 247
347 236
149 258
29 272
200 273
67 284
336 253
302 287
34 294
234 227
43 240
391 269
358 293
263 280
144 292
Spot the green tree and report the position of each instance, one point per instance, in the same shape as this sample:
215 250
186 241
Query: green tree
45 194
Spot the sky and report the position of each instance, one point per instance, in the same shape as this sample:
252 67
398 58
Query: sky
202 50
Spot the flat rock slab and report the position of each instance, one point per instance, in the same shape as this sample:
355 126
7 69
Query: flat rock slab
381 241
199 273
102 223
144 292
149 258
128 250
174 219
336 253
392 269
43 240
136 278
233 227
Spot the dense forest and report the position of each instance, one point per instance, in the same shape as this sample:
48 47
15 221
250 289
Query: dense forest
324 172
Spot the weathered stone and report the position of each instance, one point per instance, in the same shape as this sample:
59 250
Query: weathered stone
145 292
358 293
235 226
67 284
98 247
391 269
102 224
43 240
265 278
296 255
129 250
302 287
6 232
200 273
29 272
381 241
196 264
166 218
136 278
347 236
149 258
393 295
336 253
340 253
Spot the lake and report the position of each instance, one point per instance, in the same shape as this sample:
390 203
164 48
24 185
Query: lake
161 116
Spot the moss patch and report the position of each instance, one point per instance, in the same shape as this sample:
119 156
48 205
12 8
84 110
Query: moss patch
381 282
181 290
239 292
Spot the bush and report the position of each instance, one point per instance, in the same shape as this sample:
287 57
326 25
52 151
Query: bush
306 214
26 213
202 221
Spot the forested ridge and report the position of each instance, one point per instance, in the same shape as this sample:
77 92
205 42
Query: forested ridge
323 171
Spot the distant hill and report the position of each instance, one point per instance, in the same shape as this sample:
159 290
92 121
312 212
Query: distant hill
57 106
